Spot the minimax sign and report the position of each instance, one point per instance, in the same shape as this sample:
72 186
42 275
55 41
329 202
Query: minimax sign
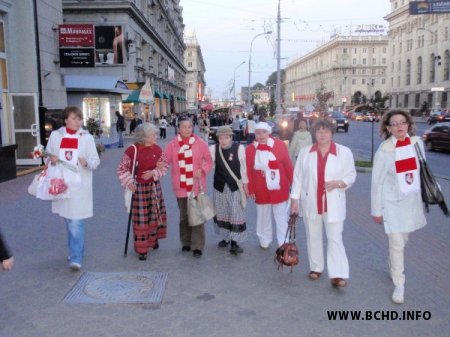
76 35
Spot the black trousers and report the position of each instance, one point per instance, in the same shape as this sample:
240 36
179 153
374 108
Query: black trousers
162 133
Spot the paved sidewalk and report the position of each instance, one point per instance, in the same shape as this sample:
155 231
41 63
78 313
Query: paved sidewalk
219 294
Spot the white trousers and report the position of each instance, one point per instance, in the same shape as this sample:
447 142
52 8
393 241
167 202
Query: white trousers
264 222
397 243
337 262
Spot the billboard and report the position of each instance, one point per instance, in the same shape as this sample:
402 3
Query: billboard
109 45
76 57
429 7
76 35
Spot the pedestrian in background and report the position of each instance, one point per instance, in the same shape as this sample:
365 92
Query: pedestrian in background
300 139
230 215
120 127
189 157
76 146
396 193
149 210
6 258
323 172
162 127
250 129
236 126
269 172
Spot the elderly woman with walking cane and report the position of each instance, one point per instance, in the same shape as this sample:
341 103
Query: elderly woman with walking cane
148 210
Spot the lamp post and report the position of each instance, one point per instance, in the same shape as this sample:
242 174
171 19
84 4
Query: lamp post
250 64
234 82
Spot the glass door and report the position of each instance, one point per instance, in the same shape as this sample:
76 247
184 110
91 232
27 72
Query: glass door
25 126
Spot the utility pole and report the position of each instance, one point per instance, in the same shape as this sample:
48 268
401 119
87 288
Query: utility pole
278 92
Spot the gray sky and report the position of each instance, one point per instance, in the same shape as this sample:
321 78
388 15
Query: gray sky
225 30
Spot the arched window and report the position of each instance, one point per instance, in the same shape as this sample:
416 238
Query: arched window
408 72
432 68
447 65
419 70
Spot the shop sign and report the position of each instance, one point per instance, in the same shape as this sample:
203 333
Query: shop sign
146 95
76 35
77 57
429 7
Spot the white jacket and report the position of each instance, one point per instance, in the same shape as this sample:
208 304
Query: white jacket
304 187
80 203
402 213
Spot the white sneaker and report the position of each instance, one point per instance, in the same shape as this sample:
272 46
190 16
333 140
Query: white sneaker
398 295
75 266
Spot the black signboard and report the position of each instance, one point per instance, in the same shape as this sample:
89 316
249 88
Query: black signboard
429 7
77 57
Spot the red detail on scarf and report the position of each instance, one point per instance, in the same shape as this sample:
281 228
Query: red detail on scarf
70 131
69 143
405 165
405 142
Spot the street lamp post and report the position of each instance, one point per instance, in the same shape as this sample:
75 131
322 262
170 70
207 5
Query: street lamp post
250 64
234 82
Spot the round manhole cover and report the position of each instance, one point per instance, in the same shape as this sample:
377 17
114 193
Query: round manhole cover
119 287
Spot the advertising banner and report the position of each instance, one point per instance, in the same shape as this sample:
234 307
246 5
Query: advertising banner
76 35
109 45
76 57
429 7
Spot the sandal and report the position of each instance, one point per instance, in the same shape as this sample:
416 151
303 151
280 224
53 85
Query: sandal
338 282
314 275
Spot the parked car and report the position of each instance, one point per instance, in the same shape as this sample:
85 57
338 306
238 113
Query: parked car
436 117
340 120
357 116
283 126
437 137
213 130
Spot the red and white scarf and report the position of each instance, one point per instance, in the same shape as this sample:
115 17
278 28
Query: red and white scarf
68 152
266 161
185 162
406 166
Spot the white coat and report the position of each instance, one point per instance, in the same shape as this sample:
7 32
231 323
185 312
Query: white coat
339 167
80 204
402 213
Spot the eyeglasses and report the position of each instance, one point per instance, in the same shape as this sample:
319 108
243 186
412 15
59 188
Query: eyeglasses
397 124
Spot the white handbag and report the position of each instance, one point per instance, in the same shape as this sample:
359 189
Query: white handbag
127 192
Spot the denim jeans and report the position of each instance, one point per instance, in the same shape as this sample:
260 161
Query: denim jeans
75 231
120 138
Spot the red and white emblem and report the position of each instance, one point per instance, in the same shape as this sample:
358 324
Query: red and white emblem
68 155
409 178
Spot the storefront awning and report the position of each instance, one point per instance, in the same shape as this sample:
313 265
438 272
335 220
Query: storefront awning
91 83
133 97
157 94
165 96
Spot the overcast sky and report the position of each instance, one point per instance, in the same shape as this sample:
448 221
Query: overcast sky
225 29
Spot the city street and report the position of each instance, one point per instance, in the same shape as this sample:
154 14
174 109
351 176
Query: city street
219 294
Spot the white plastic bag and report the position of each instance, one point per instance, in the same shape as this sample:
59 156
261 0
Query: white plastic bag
52 185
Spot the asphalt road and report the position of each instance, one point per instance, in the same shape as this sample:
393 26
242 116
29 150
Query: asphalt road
359 140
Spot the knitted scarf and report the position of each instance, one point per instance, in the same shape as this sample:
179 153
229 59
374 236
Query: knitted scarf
185 163
406 166
266 161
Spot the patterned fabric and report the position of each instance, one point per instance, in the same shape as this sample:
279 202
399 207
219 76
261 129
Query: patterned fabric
149 216
185 162
406 166
266 161
230 216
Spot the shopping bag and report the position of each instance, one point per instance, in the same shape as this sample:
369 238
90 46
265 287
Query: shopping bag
52 186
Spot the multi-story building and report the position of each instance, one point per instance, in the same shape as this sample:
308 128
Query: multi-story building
136 43
195 73
351 68
419 59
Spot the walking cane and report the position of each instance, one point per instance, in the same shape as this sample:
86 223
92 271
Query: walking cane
129 216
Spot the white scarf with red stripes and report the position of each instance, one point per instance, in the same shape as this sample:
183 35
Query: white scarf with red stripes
266 161
68 152
185 162
406 166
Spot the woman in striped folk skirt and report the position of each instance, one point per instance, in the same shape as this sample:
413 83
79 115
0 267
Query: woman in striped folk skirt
229 159
149 217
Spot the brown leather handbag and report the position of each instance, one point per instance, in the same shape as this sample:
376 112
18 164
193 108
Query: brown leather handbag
287 254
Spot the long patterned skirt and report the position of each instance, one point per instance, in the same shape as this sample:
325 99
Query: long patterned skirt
149 216
230 216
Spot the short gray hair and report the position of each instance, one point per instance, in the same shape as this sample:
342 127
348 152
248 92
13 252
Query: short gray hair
143 130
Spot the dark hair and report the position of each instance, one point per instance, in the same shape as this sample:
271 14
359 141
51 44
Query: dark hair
71 110
386 119
323 123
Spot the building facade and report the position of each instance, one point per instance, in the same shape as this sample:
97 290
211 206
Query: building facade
419 59
350 68
195 73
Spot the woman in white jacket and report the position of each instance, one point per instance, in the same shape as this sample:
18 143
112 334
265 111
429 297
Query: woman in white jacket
396 198
73 145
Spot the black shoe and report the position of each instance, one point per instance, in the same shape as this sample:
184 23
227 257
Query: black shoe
235 249
142 257
186 249
197 253
223 244
156 245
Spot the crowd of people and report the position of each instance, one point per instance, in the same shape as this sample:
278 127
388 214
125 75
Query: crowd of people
307 179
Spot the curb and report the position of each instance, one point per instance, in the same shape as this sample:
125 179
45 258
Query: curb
363 169
28 171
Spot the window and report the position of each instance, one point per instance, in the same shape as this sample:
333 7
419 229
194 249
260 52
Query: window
363 71
354 61
191 84
384 50
406 100
408 72
364 50
383 81
354 81
432 68
353 71
374 61
355 50
189 53
344 51
417 101
189 64
363 81
447 65
399 66
419 70
364 61
383 60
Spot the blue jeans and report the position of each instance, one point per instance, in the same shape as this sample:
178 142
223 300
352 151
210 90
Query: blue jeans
120 138
75 231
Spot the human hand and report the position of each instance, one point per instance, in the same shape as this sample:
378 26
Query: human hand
82 161
147 174
132 187
53 160
378 219
294 206
198 173
331 185
8 263
161 164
